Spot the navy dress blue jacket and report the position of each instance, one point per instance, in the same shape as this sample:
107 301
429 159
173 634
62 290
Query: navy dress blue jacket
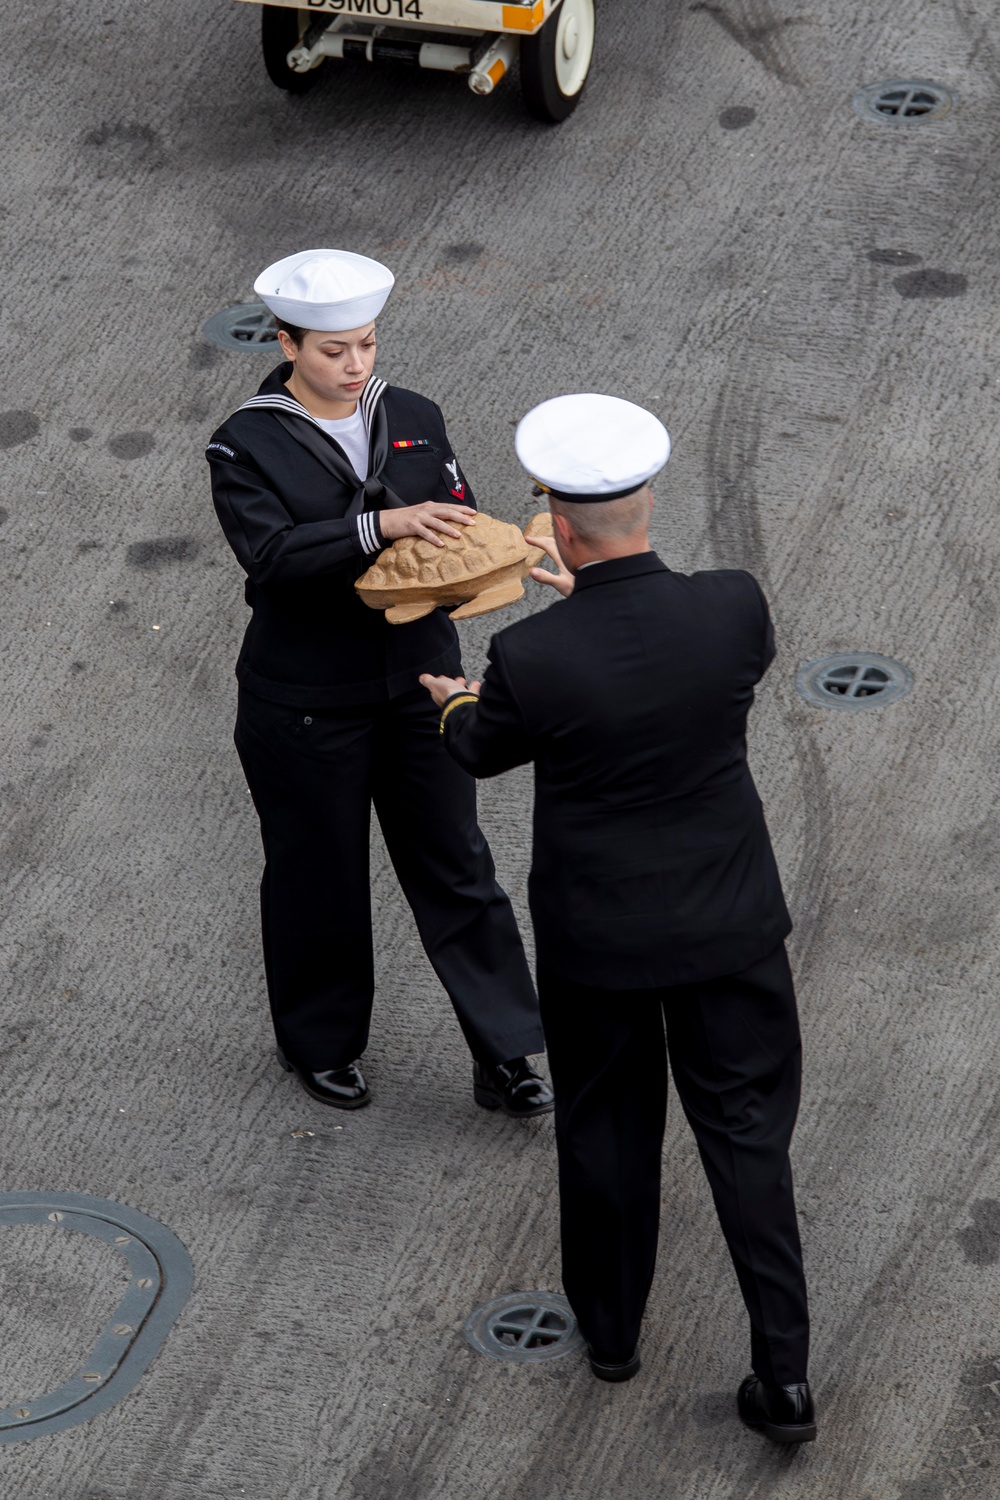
304 527
652 864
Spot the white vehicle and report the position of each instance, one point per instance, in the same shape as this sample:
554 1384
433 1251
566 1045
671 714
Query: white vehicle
553 39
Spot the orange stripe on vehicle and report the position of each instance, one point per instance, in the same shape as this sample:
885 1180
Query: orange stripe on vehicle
497 71
523 17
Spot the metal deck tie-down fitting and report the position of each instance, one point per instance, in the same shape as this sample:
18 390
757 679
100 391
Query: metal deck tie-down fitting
853 680
524 1327
909 101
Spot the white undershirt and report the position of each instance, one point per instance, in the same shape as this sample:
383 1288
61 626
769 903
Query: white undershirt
352 435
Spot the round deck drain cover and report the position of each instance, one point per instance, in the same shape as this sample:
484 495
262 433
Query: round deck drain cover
854 679
524 1326
247 326
904 102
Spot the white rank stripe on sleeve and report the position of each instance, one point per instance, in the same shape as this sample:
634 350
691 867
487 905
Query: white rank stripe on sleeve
367 531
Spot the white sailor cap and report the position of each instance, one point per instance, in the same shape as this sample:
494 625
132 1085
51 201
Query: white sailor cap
590 448
328 290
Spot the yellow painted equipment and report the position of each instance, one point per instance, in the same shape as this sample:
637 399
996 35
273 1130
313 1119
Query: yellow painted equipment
552 40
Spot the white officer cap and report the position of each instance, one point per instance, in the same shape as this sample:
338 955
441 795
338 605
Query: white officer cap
327 290
590 448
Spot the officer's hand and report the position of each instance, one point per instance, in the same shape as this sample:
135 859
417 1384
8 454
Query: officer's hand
425 520
441 688
561 580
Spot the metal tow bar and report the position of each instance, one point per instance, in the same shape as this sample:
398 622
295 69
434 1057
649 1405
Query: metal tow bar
485 67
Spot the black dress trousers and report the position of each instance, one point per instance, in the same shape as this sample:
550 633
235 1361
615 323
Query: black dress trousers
735 1054
314 777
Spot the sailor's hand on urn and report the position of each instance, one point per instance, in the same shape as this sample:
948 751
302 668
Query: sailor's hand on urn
562 579
431 520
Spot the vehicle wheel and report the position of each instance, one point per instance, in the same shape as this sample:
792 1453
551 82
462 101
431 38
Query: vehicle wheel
556 60
282 28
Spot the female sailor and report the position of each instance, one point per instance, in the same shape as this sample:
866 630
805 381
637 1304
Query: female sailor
311 478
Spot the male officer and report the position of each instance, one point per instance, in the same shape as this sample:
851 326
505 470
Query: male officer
311 477
654 892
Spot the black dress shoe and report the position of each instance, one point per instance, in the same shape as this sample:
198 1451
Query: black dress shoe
605 1371
784 1413
512 1086
344 1088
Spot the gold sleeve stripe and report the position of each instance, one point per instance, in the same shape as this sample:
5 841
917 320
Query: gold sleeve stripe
454 703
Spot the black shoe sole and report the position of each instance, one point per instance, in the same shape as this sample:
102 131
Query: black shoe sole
615 1373
797 1432
487 1099
322 1098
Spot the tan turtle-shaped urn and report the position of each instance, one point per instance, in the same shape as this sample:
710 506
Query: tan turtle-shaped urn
479 571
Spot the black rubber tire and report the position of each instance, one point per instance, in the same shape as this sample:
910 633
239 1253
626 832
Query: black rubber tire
281 28
540 89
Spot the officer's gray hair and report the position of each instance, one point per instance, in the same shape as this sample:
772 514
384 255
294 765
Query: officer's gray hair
605 520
